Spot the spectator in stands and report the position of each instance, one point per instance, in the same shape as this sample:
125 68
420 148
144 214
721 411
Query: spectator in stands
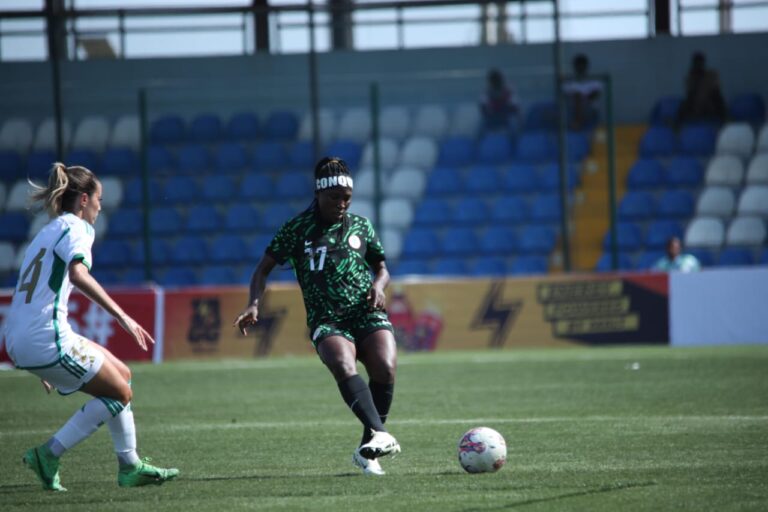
581 94
704 100
40 340
675 260
340 266
499 106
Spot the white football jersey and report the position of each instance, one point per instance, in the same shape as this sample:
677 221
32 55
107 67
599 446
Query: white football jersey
37 320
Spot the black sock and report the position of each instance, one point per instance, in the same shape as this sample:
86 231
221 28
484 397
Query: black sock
382 398
358 397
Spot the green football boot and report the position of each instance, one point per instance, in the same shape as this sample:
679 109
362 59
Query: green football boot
144 473
42 462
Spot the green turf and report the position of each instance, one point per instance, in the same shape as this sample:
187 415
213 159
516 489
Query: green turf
587 429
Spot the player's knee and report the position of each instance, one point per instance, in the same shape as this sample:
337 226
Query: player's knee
342 370
384 372
126 372
126 394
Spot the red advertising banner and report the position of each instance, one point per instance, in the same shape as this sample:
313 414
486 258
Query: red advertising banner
92 322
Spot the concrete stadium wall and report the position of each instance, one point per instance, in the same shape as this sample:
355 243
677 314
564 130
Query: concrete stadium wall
642 71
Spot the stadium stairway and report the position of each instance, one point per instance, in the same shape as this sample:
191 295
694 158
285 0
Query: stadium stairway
590 211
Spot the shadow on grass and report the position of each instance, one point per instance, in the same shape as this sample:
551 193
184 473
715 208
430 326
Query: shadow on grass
589 492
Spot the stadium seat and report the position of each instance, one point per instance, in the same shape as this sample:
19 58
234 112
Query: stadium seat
16 135
45 135
498 240
456 151
665 111
328 126
527 265
444 181
292 185
541 115
281 125
465 120
420 242
270 156
242 126
411 267
629 237
167 129
388 154
113 253
754 201
218 188
470 210
392 240
83 157
538 240
160 160
494 148
746 231
177 276
160 252
355 125
218 275
757 172
605 263
189 249
716 202
579 146
3 194
364 184
92 133
482 179
450 267
725 170
275 215
105 277
419 152
11 165
698 140
705 232
230 157
205 128
491 266
126 133
704 255
13 227
39 220
545 208
646 173
406 182
536 147
111 192
430 121
764 257
396 213
735 257
126 223
134 192
394 122
432 211
227 249
658 142
301 155
509 210
459 241
348 150
637 205
363 208
39 164
203 219
684 171
747 107
120 162
179 190
257 246
243 217
648 259
761 146
675 204
521 179
257 187
165 220
548 177
194 159
736 139
18 196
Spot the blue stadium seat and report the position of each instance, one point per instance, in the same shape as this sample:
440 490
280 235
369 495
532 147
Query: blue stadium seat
177 276
521 179
647 260
684 171
629 237
735 256
302 155
482 179
545 208
84 158
698 140
456 151
348 150
294 185
541 115
257 247
526 265
509 210
257 186
646 173
604 264
409 266
494 148
421 242
660 231
432 211
230 157
747 107
134 192
204 218
658 142
492 266
205 128
218 188
498 240
675 204
218 275
189 249
39 164
470 210
159 160
459 241
450 267
548 177
242 126
11 166
665 110
132 276
113 253
167 129
120 162
242 217
281 125
180 190
227 249
160 252
165 221
536 240
105 277
125 223
578 146
444 181
536 147
194 158
637 205
270 155
705 257
277 214
764 257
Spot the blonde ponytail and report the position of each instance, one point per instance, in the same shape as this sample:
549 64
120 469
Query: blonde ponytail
64 185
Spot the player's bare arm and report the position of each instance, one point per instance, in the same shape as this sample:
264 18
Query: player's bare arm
250 315
376 295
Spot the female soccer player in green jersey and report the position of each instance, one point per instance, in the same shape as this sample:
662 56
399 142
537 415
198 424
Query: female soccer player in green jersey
333 254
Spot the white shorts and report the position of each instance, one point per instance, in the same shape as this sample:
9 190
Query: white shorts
78 364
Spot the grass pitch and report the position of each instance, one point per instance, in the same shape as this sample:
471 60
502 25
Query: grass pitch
587 429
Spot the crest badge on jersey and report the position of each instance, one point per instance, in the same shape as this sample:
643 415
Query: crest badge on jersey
354 242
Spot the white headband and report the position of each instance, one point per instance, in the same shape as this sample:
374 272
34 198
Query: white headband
333 181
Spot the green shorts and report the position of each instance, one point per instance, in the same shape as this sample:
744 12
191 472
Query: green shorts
355 329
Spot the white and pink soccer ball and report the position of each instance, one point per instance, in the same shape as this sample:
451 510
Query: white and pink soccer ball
482 450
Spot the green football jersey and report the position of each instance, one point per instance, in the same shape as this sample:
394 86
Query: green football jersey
333 268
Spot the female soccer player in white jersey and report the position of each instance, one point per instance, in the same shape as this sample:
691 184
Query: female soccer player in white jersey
39 339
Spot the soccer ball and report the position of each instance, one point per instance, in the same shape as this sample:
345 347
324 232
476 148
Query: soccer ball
482 450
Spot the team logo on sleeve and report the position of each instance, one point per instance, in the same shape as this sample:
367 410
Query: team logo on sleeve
354 242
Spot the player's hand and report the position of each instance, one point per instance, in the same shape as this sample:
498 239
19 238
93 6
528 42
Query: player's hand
376 298
137 332
47 386
247 318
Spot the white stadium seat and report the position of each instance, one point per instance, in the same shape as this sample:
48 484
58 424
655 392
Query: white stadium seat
716 202
705 232
466 120
125 133
102 222
420 152
38 222
431 121
736 139
18 197
392 239
364 183
406 182
762 140
327 121
362 207
396 213
754 201
19 259
111 192
7 256
355 125
92 133
45 136
725 170
395 122
757 172
746 231
388 153
17 135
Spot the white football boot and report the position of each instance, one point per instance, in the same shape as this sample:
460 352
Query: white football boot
369 466
381 444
